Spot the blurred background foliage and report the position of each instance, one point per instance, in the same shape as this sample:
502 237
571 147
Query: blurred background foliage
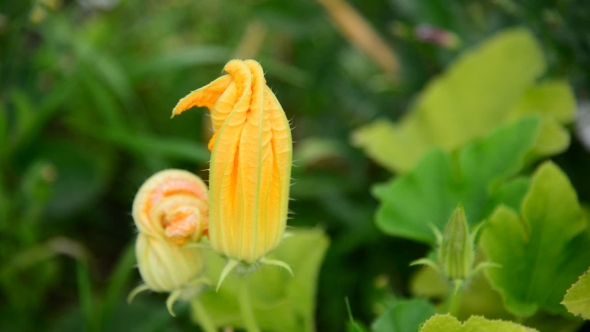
86 91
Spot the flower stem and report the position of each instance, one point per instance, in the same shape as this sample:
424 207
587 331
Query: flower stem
455 298
246 306
203 317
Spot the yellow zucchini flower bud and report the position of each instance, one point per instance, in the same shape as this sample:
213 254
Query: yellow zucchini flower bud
250 169
170 211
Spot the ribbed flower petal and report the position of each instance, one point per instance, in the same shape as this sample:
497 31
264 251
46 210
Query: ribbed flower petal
250 162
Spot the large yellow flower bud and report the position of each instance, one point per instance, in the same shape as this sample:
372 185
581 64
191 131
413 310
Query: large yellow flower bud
170 212
251 154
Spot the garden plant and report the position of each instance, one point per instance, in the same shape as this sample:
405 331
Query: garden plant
276 165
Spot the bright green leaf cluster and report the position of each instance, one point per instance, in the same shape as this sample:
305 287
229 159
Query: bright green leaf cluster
281 302
447 323
404 316
427 196
577 299
486 87
540 246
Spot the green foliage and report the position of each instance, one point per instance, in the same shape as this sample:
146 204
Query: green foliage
404 316
84 291
538 246
427 195
577 298
281 302
86 91
447 323
484 88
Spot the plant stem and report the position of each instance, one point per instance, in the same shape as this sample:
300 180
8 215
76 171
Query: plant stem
203 317
246 306
455 298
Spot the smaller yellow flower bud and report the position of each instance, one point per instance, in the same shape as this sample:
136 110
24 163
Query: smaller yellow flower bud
171 214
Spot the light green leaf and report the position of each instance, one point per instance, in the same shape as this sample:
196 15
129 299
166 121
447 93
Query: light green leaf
477 297
404 316
538 248
486 87
577 298
447 323
554 97
556 102
281 302
411 203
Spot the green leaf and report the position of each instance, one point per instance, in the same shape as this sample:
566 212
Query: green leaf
556 102
3 130
352 324
577 298
447 323
486 87
510 194
477 296
181 149
118 282
554 98
539 247
181 59
281 302
85 297
411 203
404 316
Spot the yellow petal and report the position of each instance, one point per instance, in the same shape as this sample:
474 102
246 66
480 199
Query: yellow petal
250 165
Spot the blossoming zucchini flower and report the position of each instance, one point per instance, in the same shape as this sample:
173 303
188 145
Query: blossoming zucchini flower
170 211
250 169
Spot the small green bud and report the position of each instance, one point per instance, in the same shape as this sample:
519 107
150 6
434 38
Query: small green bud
456 254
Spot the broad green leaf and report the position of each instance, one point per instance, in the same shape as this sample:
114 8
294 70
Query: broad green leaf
577 298
477 297
510 194
486 87
558 323
553 98
281 302
539 247
447 323
404 316
411 203
556 102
